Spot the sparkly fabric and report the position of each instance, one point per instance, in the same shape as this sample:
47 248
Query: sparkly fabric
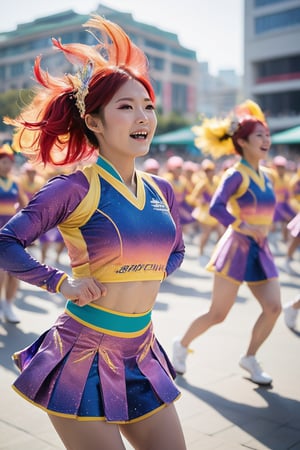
113 242
75 371
110 237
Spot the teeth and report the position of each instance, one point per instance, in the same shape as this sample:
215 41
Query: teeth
142 134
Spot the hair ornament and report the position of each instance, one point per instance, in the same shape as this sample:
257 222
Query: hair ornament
249 109
47 129
82 79
214 135
233 125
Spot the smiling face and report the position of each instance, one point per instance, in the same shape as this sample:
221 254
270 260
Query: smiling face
126 125
257 144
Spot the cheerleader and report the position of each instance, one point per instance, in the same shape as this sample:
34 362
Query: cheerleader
99 371
244 203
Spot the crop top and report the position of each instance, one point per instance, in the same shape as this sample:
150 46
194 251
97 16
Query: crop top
110 233
244 196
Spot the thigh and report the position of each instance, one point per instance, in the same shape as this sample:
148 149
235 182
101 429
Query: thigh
267 294
223 294
87 435
160 431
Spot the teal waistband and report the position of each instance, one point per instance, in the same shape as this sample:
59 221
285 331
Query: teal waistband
103 319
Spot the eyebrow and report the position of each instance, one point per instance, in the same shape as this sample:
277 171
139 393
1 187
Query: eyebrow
131 99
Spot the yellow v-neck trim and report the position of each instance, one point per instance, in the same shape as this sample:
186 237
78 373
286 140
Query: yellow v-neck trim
258 178
137 200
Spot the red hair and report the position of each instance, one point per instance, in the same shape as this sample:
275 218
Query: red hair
51 128
245 127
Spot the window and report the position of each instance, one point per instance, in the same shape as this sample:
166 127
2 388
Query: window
259 3
156 63
179 97
279 104
279 69
180 69
155 44
279 20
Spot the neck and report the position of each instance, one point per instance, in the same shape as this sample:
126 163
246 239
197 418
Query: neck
254 164
123 172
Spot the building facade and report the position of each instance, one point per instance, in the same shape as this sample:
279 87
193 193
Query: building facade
173 68
217 95
272 59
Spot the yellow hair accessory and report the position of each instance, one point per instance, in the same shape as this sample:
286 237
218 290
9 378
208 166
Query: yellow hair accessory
214 135
249 108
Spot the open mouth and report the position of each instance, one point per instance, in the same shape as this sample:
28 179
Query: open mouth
139 135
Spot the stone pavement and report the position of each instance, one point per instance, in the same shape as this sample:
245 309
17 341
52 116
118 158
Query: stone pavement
219 407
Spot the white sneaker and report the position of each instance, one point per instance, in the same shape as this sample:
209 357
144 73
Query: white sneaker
9 312
290 315
179 357
258 376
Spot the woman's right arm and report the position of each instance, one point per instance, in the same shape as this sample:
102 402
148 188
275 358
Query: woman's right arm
49 207
229 184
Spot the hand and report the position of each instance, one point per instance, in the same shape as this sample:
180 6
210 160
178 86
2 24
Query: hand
257 232
82 290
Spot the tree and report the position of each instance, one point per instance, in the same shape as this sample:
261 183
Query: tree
171 122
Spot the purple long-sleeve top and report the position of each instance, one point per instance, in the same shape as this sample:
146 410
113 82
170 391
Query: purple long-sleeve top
110 240
243 195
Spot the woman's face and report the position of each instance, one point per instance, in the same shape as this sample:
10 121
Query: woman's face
257 144
126 126
5 166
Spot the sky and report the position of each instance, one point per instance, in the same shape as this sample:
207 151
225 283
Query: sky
213 28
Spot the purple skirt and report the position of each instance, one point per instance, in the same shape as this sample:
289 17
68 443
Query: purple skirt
76 371
239 258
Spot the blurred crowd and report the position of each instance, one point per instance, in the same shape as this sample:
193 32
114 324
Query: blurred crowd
194 184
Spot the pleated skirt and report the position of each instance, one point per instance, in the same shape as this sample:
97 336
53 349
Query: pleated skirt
239 258
89 369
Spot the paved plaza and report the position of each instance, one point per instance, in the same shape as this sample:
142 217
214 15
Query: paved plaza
219 407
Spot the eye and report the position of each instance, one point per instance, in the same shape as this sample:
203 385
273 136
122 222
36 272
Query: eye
125 106
150 107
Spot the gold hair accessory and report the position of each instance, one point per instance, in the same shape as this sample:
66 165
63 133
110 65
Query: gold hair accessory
81 82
